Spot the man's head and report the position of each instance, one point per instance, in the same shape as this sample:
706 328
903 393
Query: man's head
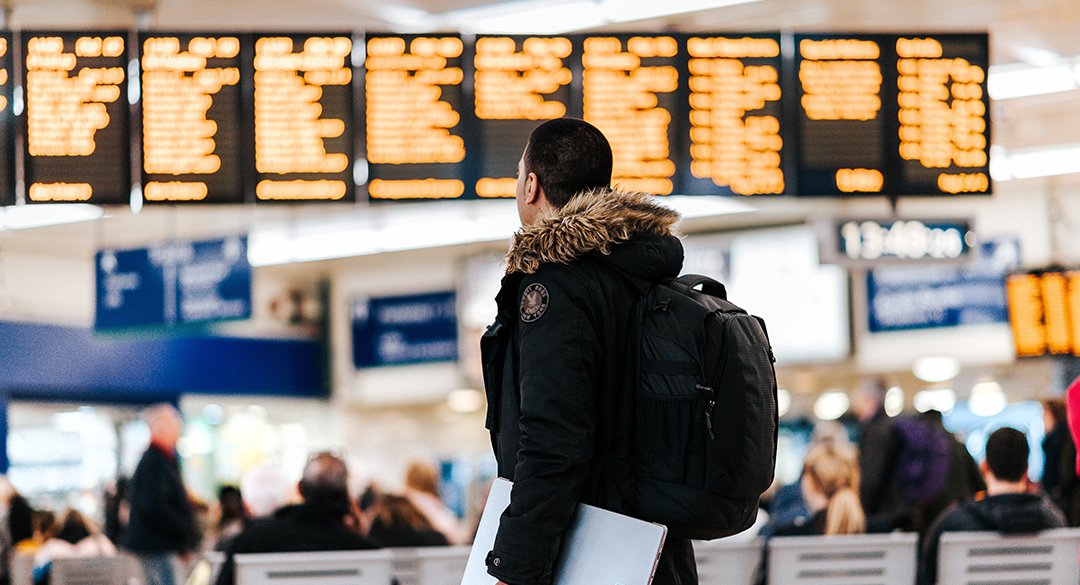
1006 458
165 425
869 399
325 481
563 158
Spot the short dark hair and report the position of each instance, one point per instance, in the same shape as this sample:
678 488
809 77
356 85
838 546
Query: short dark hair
1007 454
568 156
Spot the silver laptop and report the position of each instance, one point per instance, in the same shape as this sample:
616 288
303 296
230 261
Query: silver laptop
600 548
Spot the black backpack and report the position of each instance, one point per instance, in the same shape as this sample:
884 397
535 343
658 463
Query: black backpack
706 420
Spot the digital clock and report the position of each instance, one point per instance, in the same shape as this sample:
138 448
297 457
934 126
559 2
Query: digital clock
907 240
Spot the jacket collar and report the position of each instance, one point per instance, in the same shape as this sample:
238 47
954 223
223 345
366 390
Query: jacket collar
592 221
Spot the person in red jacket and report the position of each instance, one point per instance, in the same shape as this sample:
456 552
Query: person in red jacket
1072 399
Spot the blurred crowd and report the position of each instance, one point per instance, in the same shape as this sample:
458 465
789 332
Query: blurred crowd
882 474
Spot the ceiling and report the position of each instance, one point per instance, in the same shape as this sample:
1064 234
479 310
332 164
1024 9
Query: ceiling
1031 31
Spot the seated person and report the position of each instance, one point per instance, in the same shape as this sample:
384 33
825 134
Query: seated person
1008 505
73 537
397 522
830 491
325 521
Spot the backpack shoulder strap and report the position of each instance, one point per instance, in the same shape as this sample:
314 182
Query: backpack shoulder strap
708 285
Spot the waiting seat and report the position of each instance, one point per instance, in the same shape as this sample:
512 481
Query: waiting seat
117 570
727 562
315 568
862 559
1051 557
437 565
21 569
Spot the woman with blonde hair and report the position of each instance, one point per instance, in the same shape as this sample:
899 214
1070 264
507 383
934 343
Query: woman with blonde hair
830 487
422 490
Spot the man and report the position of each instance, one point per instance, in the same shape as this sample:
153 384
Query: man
1008 506
878 452
560 394
161 523
320 523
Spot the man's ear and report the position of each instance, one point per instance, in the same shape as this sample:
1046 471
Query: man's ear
533 191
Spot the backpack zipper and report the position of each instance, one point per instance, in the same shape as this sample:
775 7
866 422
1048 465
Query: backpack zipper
709 409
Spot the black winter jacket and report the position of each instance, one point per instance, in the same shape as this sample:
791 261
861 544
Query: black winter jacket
1006 513
560 399
161 519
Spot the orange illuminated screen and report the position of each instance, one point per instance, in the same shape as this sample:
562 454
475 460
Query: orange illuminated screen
735 140
408 120
72 85
515 82
841 81
942 115
178 91
1044 310
7 135
294 121
622 97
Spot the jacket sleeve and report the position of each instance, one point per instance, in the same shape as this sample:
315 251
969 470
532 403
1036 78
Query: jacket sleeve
559 350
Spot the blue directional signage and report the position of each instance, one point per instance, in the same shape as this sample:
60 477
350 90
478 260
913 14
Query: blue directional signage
931 296
177 283
393 331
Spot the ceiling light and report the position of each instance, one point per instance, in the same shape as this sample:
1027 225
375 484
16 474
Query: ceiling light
894 401
987 399
465 400
831 405
629 10
19 217
942 400
1016 81
1041 162
783 402
936 369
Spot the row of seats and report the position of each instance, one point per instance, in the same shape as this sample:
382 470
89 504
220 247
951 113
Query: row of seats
966 558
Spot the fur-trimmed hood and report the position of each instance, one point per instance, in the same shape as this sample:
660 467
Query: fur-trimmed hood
595 222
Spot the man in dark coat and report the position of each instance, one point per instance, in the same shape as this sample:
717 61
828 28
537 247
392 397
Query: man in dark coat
879 448
161 523
318 524
555 360
1008 507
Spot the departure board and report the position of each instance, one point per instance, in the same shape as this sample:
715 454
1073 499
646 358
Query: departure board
519 83
7 124
842 125
735 139
191 118
943 101
77 140
630 92
414 103
303 106
1044 309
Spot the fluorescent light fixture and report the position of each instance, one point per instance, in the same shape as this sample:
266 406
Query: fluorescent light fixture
783 402
831 405
942 400
1038 162
894 401
987 399
19 217
936 369
419 226
548 17
1017 81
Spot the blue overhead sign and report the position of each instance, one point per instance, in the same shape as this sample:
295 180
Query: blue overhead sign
925 297
393 331
177 283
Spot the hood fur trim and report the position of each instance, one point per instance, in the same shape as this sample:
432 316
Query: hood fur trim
592 220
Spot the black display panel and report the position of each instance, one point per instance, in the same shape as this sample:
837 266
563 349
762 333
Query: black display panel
733 138
77 129
7 121
192 118
301 89
414 102
519 82
630 91
841 106
944 125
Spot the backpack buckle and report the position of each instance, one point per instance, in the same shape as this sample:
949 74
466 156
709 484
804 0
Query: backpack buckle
662 305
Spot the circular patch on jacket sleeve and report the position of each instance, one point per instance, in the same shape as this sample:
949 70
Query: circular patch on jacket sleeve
534 301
